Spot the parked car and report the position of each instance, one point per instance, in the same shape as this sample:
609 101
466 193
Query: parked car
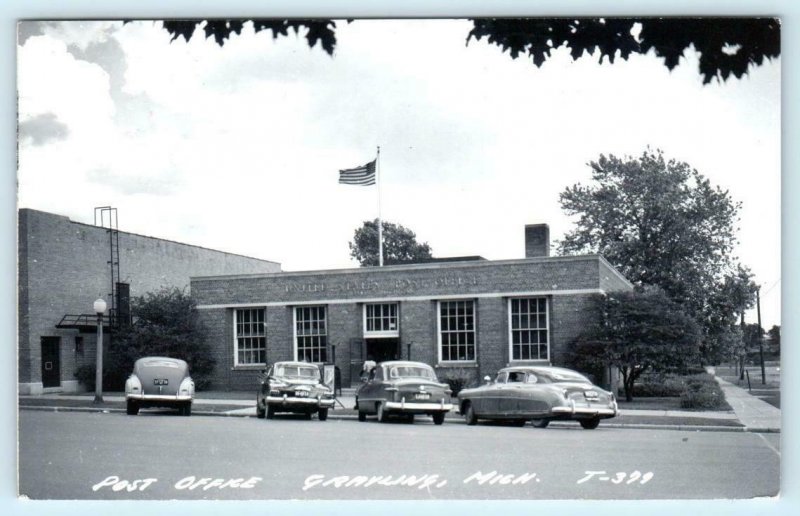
403 388
293 387
159 382
539 394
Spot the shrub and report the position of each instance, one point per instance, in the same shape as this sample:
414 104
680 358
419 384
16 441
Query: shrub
660 388
702 392
458 378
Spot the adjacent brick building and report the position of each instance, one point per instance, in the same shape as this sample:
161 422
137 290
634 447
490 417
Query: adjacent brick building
467 318
64 267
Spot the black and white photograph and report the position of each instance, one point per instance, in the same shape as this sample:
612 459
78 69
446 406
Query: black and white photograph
420 259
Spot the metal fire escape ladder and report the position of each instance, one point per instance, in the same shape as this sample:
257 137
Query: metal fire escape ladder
107 217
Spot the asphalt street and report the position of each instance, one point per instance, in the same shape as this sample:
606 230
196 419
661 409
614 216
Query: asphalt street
159 455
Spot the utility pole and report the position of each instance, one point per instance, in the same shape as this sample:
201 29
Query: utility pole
760 339
744 343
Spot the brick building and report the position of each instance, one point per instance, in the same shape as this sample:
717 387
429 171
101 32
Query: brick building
467 318
64 266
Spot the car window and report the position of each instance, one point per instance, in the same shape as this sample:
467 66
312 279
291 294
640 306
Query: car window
408 371
562 376
160 363
501 377
531 378
294 371
516 377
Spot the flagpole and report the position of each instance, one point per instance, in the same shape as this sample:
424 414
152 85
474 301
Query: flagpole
380 225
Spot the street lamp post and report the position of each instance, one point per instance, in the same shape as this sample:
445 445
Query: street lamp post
99 309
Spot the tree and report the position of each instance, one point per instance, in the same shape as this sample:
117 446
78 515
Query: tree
662 223
399 245
774 342
165 324
636 332
727 46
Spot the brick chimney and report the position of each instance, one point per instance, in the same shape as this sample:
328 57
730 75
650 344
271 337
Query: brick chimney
537 240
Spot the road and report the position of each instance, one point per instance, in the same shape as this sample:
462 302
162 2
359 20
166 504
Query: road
67 455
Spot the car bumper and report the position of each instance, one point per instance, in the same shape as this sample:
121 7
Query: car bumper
585 411
158 397
289 401
402 406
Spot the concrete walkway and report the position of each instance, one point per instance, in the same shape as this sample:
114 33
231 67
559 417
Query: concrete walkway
756 415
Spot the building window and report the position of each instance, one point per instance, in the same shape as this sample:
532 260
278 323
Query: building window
380 320
529 329
456 331
251 336
310 334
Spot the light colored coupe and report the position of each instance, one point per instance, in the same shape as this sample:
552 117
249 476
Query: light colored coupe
538 394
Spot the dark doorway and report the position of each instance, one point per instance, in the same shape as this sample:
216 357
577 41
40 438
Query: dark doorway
381 350
51 362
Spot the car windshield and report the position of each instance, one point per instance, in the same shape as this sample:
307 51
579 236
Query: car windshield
411 372
160 363
294 371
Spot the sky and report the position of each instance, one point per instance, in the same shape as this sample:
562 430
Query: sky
237 147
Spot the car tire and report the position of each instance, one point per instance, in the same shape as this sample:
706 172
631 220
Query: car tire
438 418
261 411
323 414
410 418
132 408
590 424
540 423
186 409
469 414
362 416
270 412
381 413
518 422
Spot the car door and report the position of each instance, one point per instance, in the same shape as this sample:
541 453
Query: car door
532 401
511 393
489 403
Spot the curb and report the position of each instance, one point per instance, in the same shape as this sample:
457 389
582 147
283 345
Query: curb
333 415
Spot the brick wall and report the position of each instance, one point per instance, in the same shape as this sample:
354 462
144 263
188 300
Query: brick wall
63 268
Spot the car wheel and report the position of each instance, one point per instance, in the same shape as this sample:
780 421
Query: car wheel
438 418
410 418
261 412
270 412
590 424
381 413
469 414
132 408
362 416
540 423
518 422
323 414
186 409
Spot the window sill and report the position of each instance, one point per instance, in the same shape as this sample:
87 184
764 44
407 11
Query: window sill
457 364
540 362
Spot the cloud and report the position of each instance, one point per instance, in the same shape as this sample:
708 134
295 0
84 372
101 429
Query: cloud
162 184
43 128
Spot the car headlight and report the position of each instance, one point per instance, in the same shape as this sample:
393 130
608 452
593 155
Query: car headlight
133 385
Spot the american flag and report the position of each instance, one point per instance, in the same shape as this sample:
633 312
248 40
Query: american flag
362 176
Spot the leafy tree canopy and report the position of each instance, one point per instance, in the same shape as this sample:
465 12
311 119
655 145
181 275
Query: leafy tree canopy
165 324
638 331
662 223
727 46
399 245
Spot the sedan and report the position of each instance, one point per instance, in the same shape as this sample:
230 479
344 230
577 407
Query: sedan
538 394
159 382
403 388
293 387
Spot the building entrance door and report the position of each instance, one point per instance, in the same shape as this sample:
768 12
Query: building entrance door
381 350
51 362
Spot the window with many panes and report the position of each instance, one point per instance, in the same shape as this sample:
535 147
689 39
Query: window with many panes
456 331
529 328
251 336
310 333
380 319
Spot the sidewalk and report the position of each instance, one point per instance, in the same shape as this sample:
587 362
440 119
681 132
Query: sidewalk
756 415
750 413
